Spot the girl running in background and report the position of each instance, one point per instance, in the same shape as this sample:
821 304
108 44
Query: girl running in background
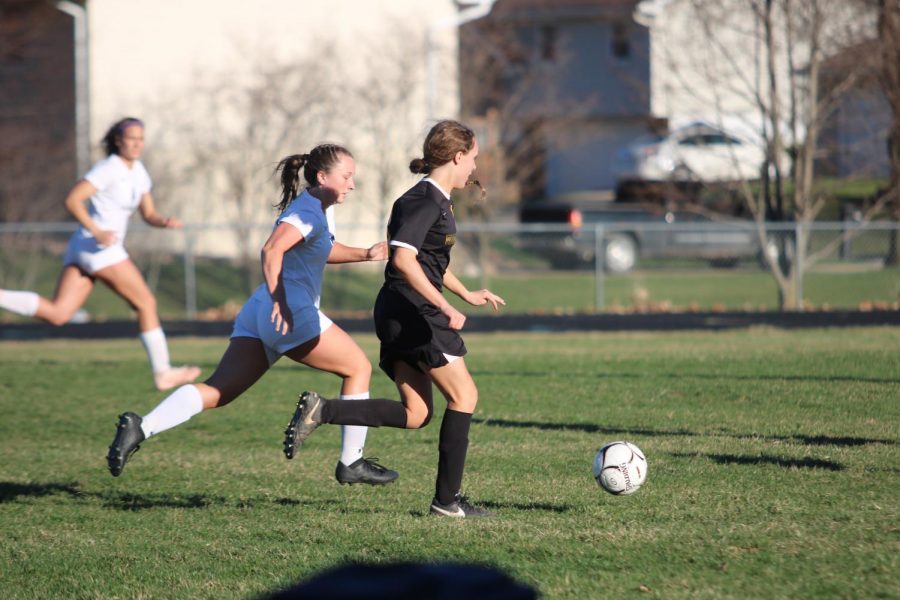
102 203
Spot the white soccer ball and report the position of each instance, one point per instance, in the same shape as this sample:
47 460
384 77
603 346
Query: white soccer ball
620 468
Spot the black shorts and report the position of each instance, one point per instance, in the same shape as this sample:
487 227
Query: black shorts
413 331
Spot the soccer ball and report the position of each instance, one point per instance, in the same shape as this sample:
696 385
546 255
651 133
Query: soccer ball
620 468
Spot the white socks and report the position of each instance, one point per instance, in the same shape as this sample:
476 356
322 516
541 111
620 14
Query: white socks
21 303
353 437
178 407
154 342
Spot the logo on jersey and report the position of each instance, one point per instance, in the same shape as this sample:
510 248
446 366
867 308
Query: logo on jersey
450 239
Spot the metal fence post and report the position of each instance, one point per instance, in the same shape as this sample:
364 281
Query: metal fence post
800 257
190 275
599 270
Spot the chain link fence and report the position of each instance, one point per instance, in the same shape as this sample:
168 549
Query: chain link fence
207 272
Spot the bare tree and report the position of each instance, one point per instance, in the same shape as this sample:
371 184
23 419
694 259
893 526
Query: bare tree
235 128
780 79
511 89
889 78
382 103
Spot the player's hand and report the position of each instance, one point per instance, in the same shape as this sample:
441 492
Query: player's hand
283 320
482 297
172 223
457 319
106 238
377 252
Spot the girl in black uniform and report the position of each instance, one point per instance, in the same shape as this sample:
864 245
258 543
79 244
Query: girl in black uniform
418 328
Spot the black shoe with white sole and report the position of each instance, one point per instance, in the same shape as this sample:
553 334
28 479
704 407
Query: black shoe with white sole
129 435
459 508
307 416
364 470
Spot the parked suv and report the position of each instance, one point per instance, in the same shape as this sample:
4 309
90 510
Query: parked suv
633 232
695 152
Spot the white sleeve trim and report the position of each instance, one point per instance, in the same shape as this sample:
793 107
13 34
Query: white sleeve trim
407 246
304 228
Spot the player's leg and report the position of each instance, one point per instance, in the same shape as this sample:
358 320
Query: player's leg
459 389
243 363
72 289
334 351
125 279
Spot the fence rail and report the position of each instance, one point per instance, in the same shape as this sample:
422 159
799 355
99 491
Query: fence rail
543 268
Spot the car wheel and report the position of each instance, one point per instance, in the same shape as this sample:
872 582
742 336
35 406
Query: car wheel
620 253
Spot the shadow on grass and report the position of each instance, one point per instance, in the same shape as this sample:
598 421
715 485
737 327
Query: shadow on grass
806 440
710 376
489 504
555 508
807 462
11 491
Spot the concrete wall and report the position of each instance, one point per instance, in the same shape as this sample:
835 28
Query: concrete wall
163 60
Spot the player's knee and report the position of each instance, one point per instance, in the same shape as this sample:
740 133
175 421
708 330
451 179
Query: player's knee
419 418
146 304
362 369
465 401
59 316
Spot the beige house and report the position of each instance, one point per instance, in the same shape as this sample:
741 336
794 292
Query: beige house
227 88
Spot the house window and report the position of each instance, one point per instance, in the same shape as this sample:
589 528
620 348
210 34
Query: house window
620 46
548 42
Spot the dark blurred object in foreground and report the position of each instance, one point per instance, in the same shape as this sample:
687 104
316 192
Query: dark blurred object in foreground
399 581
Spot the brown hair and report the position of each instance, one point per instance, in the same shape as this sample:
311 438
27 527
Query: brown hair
110 141
323 157
442 143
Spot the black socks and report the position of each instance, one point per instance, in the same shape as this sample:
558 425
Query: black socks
375 412
454 442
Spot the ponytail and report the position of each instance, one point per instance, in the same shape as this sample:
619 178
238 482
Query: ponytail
289 171
323 158
418 165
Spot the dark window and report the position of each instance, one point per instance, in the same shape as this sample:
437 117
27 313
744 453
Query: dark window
720 138
548 42
620 45
694 140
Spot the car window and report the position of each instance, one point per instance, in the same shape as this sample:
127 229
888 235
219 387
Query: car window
692 140
720 139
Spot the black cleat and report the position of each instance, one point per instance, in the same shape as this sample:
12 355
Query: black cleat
129 435
307 417
364 470
459 508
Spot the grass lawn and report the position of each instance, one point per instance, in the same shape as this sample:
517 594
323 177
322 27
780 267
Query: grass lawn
772 472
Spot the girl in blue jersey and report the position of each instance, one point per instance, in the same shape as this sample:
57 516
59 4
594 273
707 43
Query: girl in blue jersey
282 317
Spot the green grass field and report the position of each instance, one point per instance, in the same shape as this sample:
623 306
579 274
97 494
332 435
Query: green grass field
773 472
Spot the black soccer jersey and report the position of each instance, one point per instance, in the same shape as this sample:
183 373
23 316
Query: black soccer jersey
422 219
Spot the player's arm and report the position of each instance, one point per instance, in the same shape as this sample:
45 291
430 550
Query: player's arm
148 212
347 254
285 237
404 260
476 298
76 204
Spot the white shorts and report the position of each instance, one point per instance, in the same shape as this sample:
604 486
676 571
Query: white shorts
254 321
85 253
